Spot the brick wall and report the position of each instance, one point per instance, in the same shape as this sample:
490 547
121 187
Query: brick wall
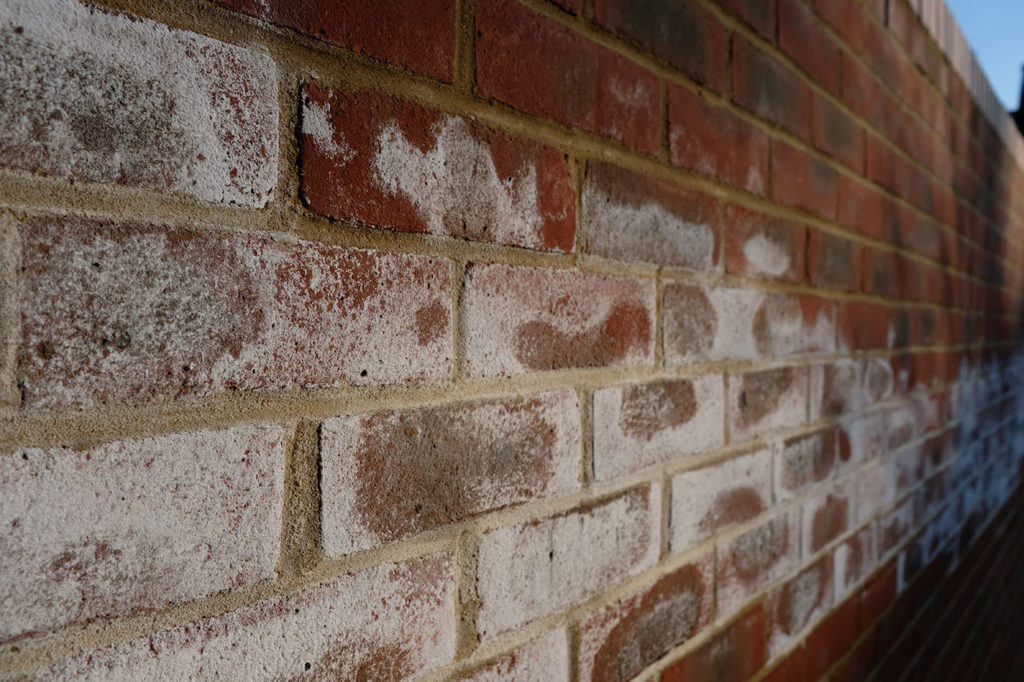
502 339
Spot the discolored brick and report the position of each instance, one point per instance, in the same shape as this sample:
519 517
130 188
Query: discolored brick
803 181
545 658
765 400
770 90
734 655
758 245
756 558
799 603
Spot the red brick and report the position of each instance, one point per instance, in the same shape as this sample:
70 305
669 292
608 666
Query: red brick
818 57
885 166
78 538
753 560
767 400
882 272
757 245
803 461
827 515
101 96
708 500
546 657
389 475
625 637
133 312
541 67
642 424
865 326
833 638
418 35
392 621
522 319
632 217
837 134
734 655
862 208
758 14
681 34
862 93
385 162
767 88
790 669
832 261
803 181
854 560
798 603
536 568
711 140
846 18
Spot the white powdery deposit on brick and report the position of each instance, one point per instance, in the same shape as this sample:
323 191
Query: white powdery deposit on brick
520 319
767 256
875 490
456 187
828 514
798 604
642 424
111 313
136 524
388 475
646 231
767 400
754 559
541 567
705 501
100 96
854 560
316 123
545 659
392 621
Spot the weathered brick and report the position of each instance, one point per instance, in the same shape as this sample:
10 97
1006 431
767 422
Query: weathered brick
622 639
540 567
759 14
770 90
827 515
527 319
837 134
682 34
865 325
875 491
804 181
711 140
757 557
767 400
734 655
537 65
705 501
100 96
724 323
392 621
832 261
818 57
389 475
757 245
389 163
641 424
799 603
545 658
854 560
627 216
118 312
803 461
416 34
81 538
832 638
861 439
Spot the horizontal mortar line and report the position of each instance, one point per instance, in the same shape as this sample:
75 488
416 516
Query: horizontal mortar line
371 76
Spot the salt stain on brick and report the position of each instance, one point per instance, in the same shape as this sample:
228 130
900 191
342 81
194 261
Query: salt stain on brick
632 217
540 567
112 313
390 622
101 96
545 659
854 560
875 491
800 602
521 319
136 524
766 255
390 163
756 558
767 400
706 501
388 475
803 461
720 323
827 515
639 425
762 246
622 639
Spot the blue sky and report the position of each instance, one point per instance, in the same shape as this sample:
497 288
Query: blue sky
995 30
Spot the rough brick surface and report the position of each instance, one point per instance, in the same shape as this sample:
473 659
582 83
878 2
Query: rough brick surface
137 523
707 501
757 245
641 424
104 97
392 621
798 604
619 641
769 399
545 658
533 569
711 140
529 319
804 461
767 88
117 312
733 655
803 181
388 475
539 66
755 558
626 216
827 515
416 34
389 163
